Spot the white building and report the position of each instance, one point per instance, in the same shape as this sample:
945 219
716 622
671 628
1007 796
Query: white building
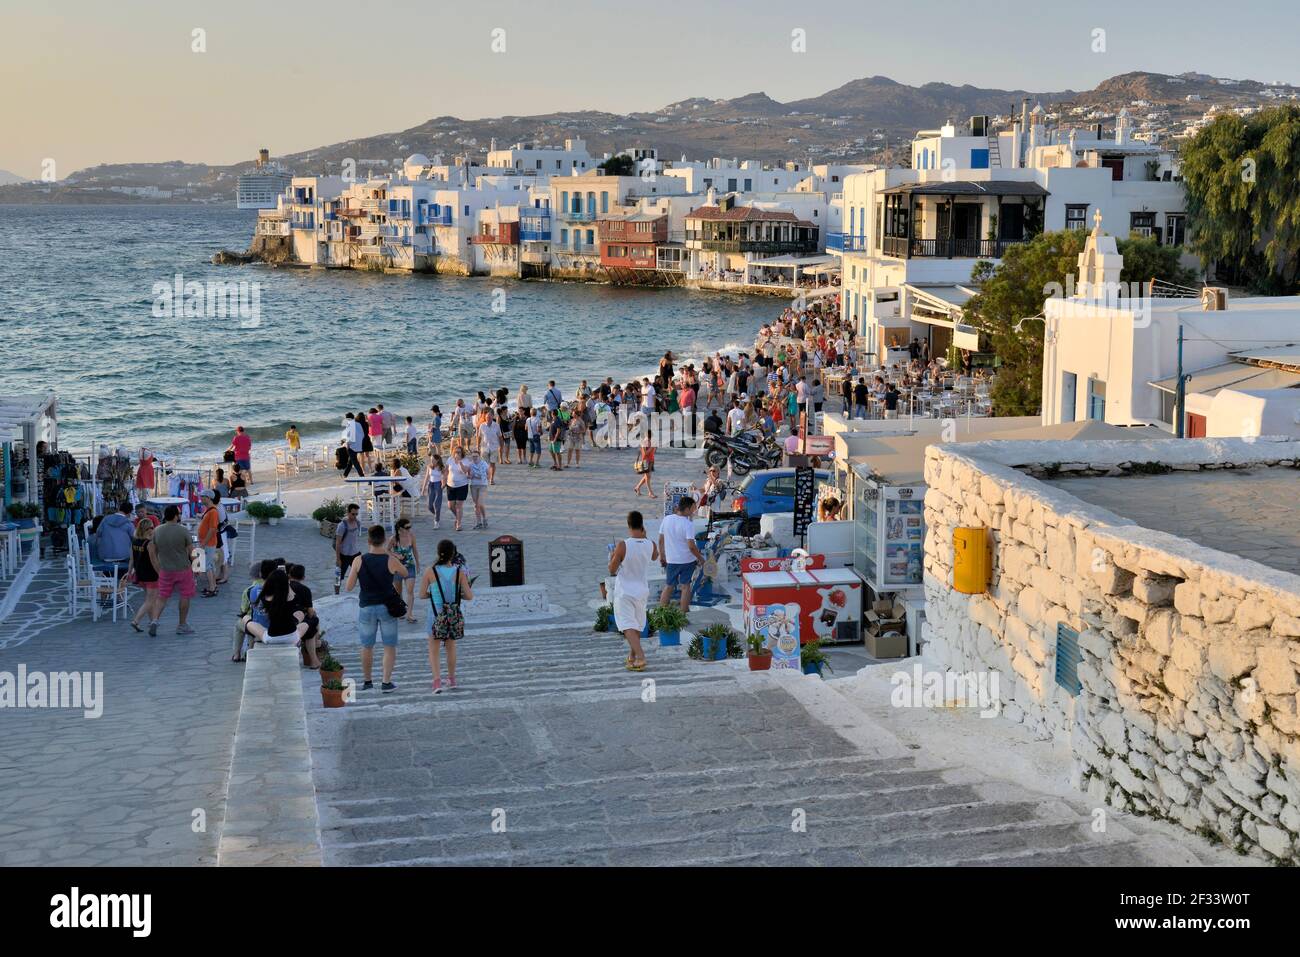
1117 359
544 160
912 236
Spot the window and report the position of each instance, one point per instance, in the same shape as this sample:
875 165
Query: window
1175 229
1076 216
1096 400
749 185
783 486
731 185
564 237
539 164
979 159
1068 658
591 237
604 202
1143 224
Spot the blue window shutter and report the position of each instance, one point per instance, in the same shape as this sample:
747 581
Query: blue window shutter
979 159
1068 657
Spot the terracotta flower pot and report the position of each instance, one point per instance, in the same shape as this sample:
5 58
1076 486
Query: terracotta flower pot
759 662
332 697
327 676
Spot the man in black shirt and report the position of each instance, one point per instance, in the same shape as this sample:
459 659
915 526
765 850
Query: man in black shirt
713 424
891 401
860 399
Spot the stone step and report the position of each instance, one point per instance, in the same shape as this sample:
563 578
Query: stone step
690 793
1007 832
764 809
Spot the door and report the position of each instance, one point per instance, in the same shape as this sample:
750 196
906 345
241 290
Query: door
966 229
1069 397
1195 426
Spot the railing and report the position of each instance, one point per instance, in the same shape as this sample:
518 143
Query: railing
901 247
535 235
577 215
835 242
758 245
442 218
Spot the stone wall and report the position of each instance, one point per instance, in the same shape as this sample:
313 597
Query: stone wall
1188 707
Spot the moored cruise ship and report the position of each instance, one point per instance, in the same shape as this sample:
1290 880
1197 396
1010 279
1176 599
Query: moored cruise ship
260 188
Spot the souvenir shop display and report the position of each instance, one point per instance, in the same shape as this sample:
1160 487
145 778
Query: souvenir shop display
115 475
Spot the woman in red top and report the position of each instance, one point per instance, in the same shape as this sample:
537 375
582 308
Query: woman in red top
645 464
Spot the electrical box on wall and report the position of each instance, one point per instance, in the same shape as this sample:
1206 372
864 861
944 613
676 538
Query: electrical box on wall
972 566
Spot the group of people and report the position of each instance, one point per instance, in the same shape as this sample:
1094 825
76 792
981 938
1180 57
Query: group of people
388 579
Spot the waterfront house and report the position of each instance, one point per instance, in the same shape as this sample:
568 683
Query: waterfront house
727 239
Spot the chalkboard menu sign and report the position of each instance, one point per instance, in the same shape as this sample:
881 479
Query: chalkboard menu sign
804 493
506 561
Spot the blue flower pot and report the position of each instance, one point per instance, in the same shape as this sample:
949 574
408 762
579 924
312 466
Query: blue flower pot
645 632
667 638
811 669
715 649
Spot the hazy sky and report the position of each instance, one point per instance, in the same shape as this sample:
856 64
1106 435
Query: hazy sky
106 81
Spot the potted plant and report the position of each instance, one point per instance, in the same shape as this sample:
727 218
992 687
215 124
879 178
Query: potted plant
24 514
813 659
716 641
760 656
604 618
668 620
331 669
265 512
329 513
331 694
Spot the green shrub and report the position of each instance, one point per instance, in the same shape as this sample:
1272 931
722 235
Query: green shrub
331 510
668 618
23 510
604 618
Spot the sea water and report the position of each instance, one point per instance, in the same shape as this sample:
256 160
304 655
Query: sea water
83 313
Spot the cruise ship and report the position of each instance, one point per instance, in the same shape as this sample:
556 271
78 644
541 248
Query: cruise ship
260 188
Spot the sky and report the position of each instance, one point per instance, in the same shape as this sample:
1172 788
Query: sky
111 81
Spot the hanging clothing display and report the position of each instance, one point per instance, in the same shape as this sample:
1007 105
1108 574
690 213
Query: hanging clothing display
63 494
144 477
115 475
186 484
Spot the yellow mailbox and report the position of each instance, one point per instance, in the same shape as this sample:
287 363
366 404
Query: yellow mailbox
972 565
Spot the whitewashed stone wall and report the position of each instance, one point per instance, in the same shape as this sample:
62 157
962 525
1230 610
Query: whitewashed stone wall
1191 657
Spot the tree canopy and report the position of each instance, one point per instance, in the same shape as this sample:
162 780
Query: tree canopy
1015 289
620 165
1242 176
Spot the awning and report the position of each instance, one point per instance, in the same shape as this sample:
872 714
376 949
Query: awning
18 411
789 262
1234 375
938 305
1284 357
992 187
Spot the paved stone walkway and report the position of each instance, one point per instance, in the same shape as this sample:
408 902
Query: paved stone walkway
548 728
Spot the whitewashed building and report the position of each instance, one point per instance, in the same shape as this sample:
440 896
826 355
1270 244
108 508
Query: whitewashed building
913 236
1117 359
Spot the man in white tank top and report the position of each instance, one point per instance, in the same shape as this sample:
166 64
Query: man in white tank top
630 562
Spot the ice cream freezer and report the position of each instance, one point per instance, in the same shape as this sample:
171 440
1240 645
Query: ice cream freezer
824 603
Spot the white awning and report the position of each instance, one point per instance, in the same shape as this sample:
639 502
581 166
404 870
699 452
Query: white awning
1235 375
789 262
19 411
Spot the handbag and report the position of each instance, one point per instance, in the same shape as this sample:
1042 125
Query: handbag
449 623
395 605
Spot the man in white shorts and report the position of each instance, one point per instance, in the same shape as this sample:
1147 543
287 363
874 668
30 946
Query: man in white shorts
630 562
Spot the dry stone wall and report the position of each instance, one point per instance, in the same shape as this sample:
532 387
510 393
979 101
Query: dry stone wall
1189 657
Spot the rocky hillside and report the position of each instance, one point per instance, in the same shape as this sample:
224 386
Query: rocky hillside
865 120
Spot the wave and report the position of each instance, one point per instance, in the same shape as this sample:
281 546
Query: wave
266 433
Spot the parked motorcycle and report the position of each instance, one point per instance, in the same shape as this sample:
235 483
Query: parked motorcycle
744 451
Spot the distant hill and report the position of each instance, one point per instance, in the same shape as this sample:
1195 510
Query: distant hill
871 119
7 178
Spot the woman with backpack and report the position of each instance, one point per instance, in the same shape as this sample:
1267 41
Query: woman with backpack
445 586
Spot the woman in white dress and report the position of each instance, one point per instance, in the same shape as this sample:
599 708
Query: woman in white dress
630 563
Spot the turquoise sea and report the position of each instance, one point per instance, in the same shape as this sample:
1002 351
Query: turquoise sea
77 308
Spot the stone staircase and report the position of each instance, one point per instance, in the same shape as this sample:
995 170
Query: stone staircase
550 753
